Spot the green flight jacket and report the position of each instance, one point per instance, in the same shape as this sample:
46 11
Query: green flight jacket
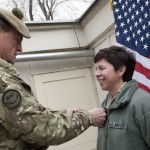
27 125
128 123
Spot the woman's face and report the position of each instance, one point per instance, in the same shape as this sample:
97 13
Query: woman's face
109 79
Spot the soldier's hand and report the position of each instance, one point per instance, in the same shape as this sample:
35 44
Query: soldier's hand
99 116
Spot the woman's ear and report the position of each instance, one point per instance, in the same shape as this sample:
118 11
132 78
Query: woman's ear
122 70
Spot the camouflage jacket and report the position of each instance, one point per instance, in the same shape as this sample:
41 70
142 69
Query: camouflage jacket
27 125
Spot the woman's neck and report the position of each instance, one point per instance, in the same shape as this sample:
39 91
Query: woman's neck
114 92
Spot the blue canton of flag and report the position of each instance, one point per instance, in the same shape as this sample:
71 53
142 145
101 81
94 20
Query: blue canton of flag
132 24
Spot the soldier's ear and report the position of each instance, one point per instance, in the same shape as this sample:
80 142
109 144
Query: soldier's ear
1 29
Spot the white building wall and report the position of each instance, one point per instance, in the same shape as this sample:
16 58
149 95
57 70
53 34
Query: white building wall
96 33
51 37
100 24
54 39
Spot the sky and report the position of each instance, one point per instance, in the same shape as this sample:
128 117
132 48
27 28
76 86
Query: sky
74 11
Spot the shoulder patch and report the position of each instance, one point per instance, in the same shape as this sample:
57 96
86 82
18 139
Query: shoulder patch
11 99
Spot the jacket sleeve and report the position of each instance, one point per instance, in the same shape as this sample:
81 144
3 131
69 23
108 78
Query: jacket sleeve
141 111
144 124
25 118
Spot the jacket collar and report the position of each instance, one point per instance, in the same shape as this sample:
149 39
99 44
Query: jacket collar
124 96
7 67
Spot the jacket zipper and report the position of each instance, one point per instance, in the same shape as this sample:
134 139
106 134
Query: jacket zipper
106 129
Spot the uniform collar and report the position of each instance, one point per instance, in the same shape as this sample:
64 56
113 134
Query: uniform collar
124 96
8 67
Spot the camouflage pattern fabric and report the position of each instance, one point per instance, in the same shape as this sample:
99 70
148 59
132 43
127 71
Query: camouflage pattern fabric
27 125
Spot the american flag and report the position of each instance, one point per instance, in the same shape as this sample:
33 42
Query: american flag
132 29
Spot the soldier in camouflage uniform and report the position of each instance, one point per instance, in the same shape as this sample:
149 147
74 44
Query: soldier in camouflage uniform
24 123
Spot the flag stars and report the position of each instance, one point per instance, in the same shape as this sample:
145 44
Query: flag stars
117 10
131 28
140 20
138 1
122 24
132 17
133 23
144 27
114 3
147 35
137 12
136 24
128 20
133 6
125 31
146 15
125 14
145 46
146 3
130 9
139 32
119 17
142 8
136 42
123 6
126 3
133 35
117 33
128 39
142 39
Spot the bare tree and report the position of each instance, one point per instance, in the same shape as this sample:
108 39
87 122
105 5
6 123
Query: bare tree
48 7
23 5
37 10
31 10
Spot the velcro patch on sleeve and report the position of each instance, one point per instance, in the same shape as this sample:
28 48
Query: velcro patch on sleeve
3 85
11 99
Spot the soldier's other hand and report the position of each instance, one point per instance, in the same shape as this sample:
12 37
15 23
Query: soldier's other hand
99 116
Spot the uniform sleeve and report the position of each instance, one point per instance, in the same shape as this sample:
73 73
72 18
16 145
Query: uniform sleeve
144 125
141 111
25 118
